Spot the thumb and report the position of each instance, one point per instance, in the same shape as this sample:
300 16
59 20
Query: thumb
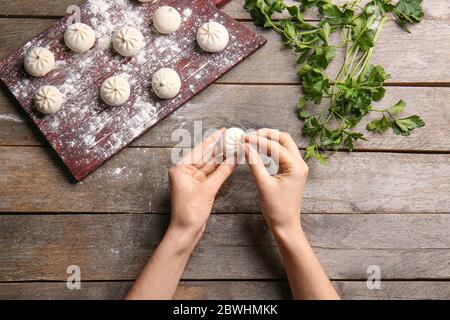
220 175
256 164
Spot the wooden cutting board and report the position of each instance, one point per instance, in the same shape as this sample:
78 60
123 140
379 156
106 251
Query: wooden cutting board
86 132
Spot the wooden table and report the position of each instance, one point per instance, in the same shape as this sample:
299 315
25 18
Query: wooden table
386 204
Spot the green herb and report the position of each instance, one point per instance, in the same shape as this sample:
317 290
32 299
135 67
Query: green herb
349 96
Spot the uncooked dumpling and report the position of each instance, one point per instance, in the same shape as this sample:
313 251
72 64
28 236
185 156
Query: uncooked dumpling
48 100
79 37
167 20
231 141
213 37
166 83
39 61
115 91
128 41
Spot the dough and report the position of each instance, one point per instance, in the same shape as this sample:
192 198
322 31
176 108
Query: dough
167 20
166 83
231 142
213 37
39 61
48 100
115 91
79 37
128 41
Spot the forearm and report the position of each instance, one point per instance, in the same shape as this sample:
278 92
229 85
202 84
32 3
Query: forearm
307 278
161 275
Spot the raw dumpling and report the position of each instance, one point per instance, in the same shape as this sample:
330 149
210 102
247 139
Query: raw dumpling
213 37
39 61
128 41
48 100
79 37
115 91
166 20
231 141
166 83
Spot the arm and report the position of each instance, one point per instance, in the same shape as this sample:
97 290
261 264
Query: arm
281 199
194 184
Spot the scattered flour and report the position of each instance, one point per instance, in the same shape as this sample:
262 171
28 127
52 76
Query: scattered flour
10 118
117 171
99 6
187 13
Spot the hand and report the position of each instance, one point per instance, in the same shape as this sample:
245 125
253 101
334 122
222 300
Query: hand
194 184
280 195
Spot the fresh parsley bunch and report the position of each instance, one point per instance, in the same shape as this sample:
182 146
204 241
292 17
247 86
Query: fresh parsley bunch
349 95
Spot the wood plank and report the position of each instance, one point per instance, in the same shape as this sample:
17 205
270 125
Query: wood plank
409 58
249 107
434 9
237 246
137 181
228 290
52 8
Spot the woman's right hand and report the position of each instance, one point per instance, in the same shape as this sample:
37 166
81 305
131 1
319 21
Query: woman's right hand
281 194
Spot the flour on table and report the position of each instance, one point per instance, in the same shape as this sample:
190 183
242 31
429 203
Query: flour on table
10 117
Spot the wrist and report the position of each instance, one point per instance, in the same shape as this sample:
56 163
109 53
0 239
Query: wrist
289 233
181 240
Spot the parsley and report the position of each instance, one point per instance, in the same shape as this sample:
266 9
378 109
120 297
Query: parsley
332 107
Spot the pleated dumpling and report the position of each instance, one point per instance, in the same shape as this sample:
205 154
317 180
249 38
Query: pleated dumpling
79 37
115 91
128 41
48 100
39 61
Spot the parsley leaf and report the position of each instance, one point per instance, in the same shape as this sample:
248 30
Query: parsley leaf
406 125
347 98
408 11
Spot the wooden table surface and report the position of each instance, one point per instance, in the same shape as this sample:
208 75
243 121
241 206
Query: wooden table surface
386 204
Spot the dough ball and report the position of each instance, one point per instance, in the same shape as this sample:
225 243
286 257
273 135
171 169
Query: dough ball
115 91
167 20
39 61
128 41
231 141
213 37
166 83
48 100
79 37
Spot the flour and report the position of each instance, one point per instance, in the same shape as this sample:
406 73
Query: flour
10 118
187 13
99 6
117 171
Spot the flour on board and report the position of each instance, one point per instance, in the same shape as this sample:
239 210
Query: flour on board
85 125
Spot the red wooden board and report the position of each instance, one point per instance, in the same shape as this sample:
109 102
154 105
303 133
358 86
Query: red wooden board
86 133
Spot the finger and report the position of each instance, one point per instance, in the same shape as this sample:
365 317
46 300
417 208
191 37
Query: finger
209 167
220 175
256 163
203 153
283 138
273 149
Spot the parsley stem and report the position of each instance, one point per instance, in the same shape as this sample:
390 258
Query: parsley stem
366 64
